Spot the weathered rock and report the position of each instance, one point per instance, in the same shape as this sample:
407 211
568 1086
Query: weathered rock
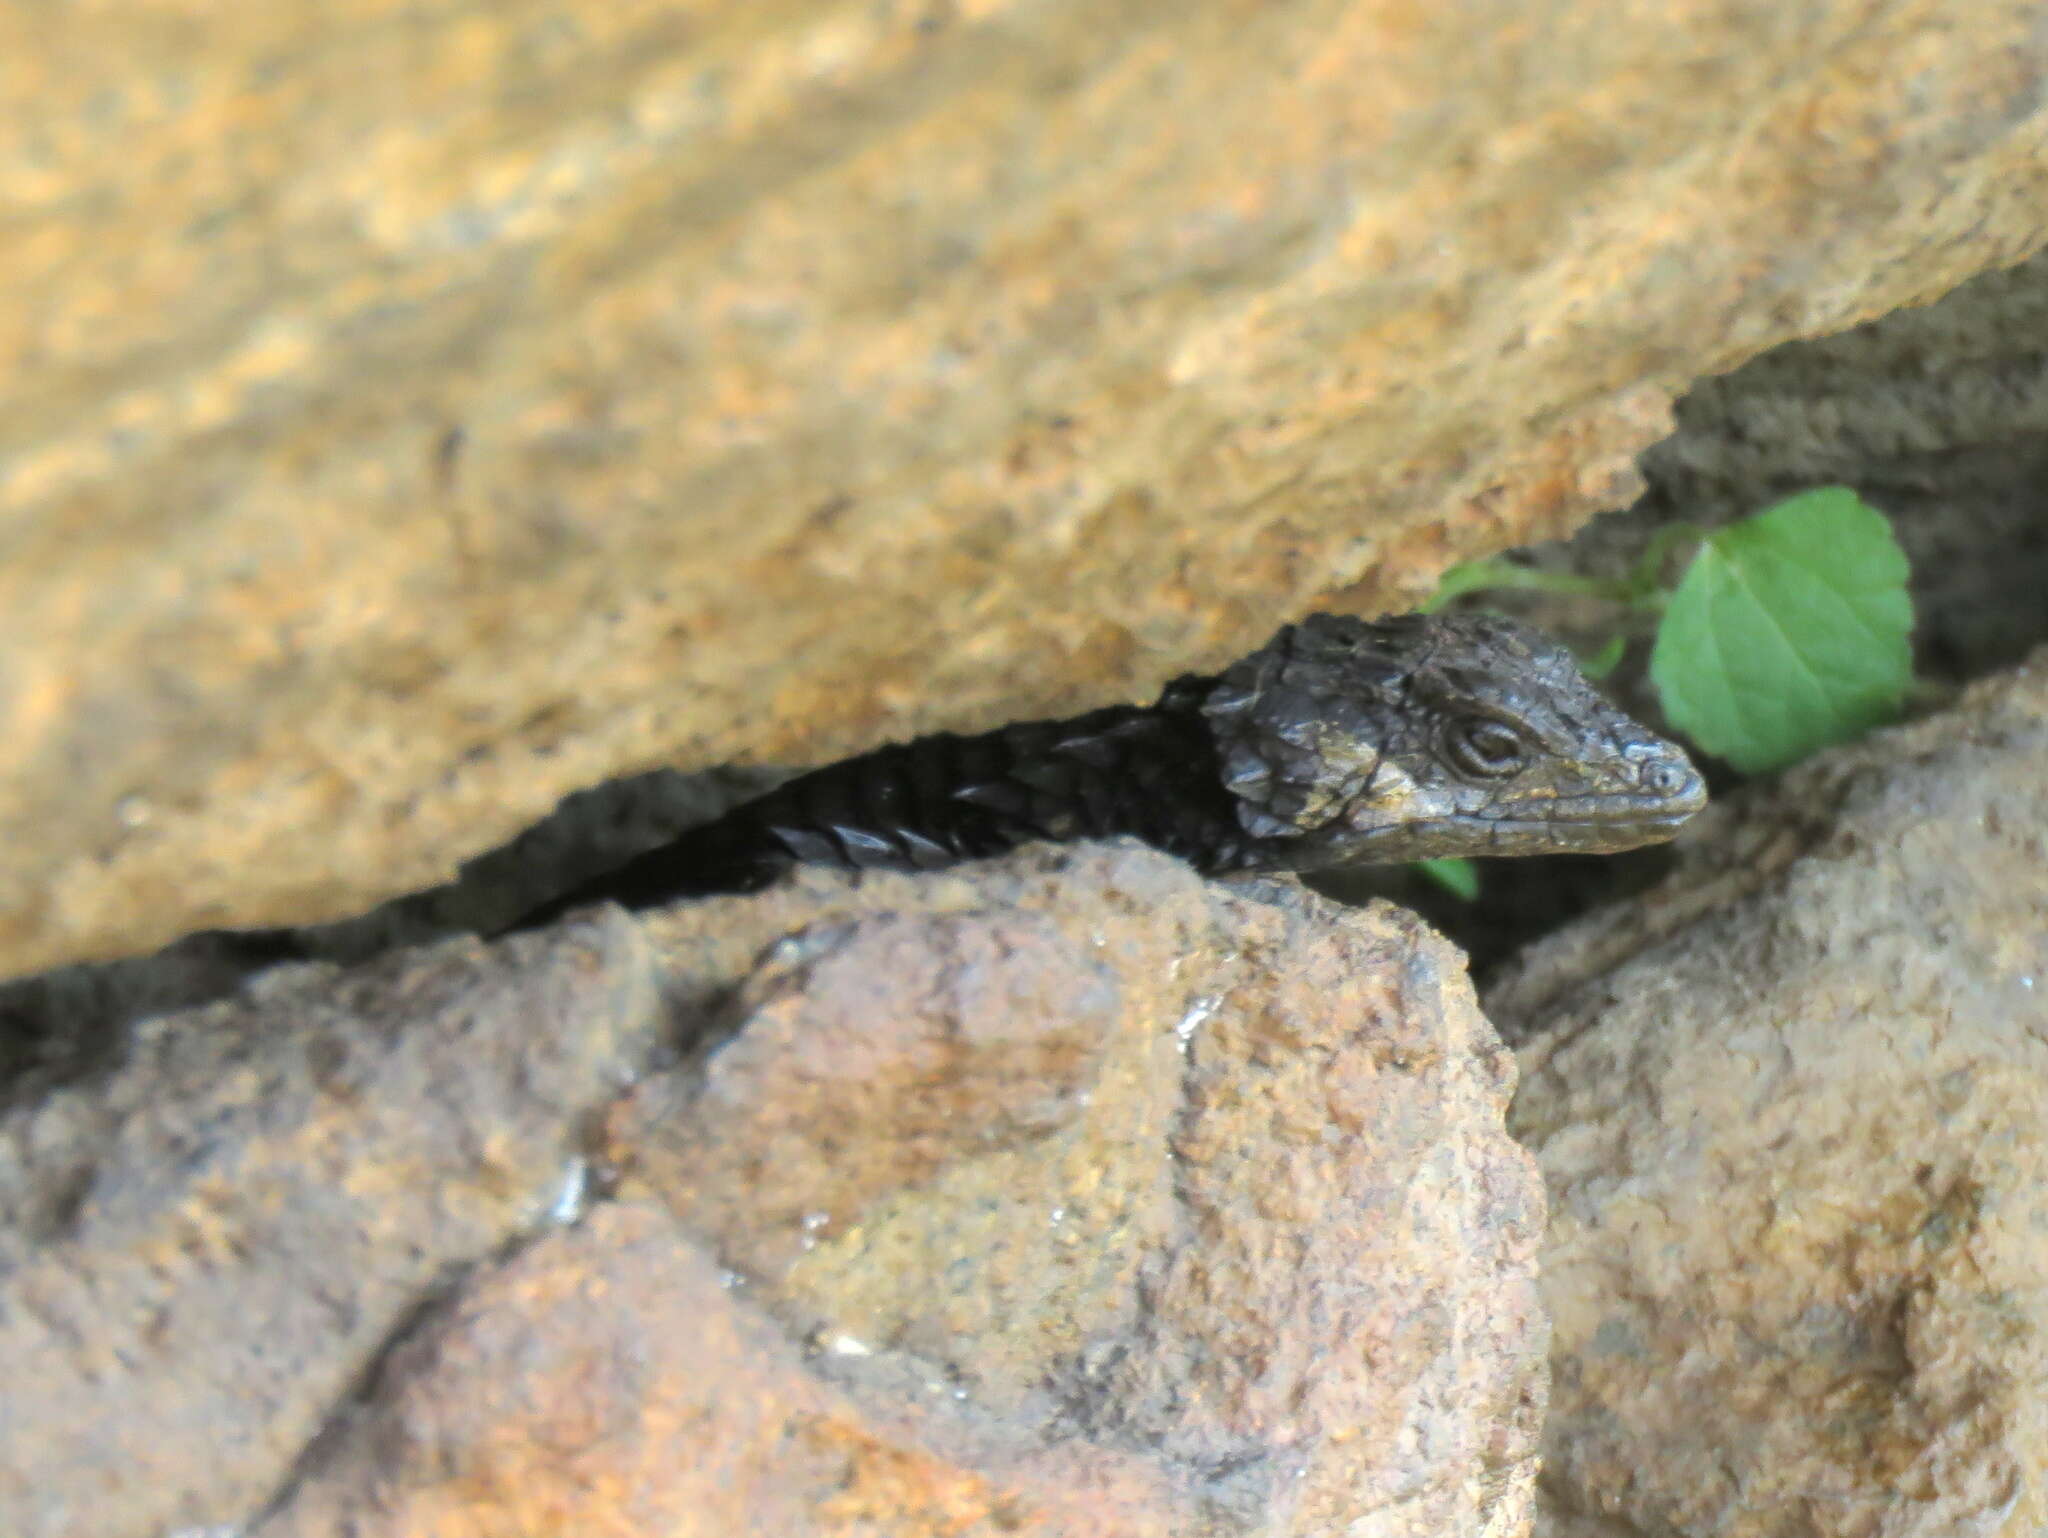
1797 1151
203 1248
67 1018
1063 1195
407 417
615 1374
1146 1167
1937 415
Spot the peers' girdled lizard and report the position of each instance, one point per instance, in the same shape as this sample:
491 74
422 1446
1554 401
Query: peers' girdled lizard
1340 741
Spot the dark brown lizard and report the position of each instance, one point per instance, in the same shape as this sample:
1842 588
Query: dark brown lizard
1340 741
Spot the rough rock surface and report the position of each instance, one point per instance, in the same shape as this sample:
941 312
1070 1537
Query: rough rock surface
409 414
70 1016
1937 415
1797 1153
203 1248
1062 1195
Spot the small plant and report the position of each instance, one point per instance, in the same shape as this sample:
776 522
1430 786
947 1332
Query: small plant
1787 633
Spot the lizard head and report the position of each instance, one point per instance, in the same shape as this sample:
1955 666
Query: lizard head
1431 735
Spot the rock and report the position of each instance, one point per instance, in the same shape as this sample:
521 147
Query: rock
1797 1152
1066 1194
611 387
1936 415
204 1248
1145 1166
72 1016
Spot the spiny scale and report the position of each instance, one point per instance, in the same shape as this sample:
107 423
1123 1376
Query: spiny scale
1150 772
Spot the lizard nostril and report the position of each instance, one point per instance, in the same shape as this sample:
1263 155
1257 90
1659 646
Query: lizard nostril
1665 778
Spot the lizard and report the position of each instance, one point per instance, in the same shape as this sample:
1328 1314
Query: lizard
1340 741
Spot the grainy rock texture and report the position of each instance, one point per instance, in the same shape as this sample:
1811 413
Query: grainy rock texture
1062 1195
203 1248
1797 1152
409 414
71 1015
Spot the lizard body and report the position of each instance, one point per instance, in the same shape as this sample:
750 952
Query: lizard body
1340 741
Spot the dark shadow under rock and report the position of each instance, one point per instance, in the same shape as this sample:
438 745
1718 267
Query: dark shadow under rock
67 1021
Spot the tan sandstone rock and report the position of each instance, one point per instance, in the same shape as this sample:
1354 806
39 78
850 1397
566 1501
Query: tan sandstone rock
408 415
1062 1195
1797 1153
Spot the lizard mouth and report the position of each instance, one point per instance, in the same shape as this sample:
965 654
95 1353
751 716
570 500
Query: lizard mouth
1592 831
1608 834
1618 821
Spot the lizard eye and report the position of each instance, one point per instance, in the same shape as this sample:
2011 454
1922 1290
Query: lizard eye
1484 748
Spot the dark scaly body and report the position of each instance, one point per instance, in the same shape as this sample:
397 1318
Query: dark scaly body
1340 741
1150 772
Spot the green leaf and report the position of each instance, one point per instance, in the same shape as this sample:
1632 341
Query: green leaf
1788 632
1459 877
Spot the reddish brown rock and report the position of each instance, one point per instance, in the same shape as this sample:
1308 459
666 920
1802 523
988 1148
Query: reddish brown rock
410 415
614 1378
1146 1165
1064 1195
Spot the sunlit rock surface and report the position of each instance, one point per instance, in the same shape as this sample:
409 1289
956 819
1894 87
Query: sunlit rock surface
408 415
205 1245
